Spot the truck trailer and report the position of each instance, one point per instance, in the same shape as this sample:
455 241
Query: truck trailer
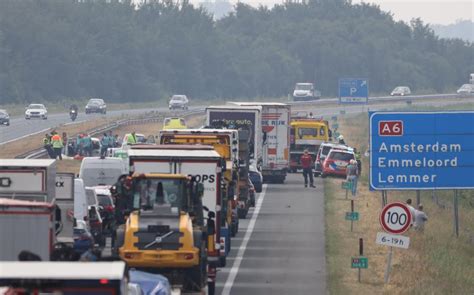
275 139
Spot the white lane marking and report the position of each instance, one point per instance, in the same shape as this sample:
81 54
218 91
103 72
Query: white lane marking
24 136
240 255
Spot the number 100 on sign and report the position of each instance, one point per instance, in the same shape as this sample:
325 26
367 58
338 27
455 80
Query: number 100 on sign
395 218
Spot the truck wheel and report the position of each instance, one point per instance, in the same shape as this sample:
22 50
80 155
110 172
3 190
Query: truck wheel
233 230
211 288
241 213
198 274
118 241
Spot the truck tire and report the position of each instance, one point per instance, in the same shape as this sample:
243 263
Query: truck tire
197 275
211 288
242 213
119 240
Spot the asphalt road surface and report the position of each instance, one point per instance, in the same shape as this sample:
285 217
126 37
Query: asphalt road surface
280 247
20 127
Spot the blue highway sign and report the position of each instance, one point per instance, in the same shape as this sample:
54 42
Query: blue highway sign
421 150
353 90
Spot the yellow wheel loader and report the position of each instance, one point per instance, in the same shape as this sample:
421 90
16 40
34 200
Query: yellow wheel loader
164 232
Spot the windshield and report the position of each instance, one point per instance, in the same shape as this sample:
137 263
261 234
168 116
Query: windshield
340 156
100 176
303 87
325 151
2 112
96 101
36 106
307 132
177 98
150 193
104 200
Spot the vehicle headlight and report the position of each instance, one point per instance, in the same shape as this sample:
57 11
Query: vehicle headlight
102 107
87 107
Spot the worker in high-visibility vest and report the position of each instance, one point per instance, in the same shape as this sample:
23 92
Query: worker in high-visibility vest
131 138
57 143
47 145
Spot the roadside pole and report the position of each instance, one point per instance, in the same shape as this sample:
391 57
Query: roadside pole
395 219
418 197
456 213
352 219
361 252
389 264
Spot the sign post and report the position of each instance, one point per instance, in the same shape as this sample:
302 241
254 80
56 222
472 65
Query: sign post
395 218
347 185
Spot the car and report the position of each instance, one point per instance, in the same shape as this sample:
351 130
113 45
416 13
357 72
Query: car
322 153
256 178
305 92
4 118
178 102
466 89
174 123
82 237
401 91
96 105
336 162
96 222
106 206
36 110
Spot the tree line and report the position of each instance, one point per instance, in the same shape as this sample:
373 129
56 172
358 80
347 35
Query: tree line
120 51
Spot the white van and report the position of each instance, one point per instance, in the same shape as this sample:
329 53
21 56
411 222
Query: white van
96 171
80 200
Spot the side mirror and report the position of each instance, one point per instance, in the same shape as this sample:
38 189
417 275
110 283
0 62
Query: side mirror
200 189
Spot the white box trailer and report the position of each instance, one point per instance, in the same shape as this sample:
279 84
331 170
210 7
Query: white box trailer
27 179
203 162
26 226
275 140
239 117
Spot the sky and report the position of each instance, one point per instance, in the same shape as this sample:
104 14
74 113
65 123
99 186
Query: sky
430 11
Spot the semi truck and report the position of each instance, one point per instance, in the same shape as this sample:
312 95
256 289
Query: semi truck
226 143
240 118
275 140
26 226
29 180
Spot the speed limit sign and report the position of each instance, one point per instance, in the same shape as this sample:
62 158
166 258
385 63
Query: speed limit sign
395 218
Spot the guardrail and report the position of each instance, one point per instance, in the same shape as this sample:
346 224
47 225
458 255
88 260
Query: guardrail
148 118
381 99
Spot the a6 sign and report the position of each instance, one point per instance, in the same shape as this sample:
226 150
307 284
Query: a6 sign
395 218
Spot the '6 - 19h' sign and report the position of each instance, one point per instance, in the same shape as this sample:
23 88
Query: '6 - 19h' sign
395 218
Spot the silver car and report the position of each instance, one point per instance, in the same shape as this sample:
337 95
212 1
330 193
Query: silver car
466 89
178 102
401 91
36 110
